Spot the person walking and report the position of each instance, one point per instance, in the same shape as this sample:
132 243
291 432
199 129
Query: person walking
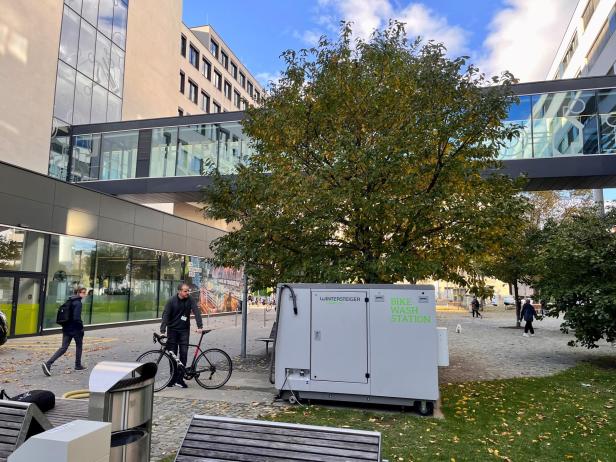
176 319
71 329
528 314
475 307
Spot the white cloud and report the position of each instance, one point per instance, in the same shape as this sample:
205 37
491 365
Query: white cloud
421 21
265 78
525 36
309 37
367 16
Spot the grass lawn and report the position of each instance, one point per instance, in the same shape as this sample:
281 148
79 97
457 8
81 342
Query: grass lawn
568 416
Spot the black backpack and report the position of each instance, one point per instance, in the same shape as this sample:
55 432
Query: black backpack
44 399
65 312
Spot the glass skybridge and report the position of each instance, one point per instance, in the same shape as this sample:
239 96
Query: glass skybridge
567 133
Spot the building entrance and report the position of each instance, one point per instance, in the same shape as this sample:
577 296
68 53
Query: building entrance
20 301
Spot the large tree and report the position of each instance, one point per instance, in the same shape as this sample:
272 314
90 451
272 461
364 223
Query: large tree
368 166
575 271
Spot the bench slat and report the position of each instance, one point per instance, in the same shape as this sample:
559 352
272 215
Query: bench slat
284 430
229 452
245 444
310 440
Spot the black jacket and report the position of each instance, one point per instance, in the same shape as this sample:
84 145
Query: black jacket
175 309
75 324
528 312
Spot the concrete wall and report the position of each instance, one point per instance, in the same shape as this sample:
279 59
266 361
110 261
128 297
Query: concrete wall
34 201
152 66
29 40
194 213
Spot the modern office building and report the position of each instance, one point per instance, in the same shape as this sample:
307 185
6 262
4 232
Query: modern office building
588 47
82 62
90 61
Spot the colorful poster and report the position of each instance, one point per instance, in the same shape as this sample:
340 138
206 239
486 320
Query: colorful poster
216 289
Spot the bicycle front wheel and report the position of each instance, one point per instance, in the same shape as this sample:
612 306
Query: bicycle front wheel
166 367
213 368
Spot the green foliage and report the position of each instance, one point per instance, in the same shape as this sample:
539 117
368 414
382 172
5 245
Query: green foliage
537 419
575 270
368 167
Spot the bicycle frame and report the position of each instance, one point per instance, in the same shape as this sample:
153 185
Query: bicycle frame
198 349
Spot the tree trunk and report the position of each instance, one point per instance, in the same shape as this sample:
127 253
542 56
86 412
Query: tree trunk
518 308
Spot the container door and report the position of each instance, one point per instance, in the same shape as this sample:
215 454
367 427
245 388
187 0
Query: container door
339 336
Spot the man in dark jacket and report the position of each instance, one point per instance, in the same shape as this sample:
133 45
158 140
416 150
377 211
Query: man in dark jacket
176 319
528 314
72 329
475 307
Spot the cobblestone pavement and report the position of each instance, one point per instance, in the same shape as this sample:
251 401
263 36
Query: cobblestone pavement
172 417
492 348
488 348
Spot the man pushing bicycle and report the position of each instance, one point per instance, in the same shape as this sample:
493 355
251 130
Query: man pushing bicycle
176 319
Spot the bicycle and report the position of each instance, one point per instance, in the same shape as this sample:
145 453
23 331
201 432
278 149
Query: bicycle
210 368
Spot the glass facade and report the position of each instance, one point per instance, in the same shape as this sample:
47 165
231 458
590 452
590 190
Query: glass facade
90 76
187 150
39 271
568 123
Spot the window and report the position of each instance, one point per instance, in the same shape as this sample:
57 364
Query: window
180 111
243 80
205 102
218 80
224 60
214 48
183 46
216 107
101 60
570 50
192 91
182 82
69 40
601 41
227 90
207 69
233 70
257 97
589 11
249 88
193 57
244 104
236 99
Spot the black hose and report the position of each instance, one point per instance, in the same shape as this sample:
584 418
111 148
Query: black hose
278 300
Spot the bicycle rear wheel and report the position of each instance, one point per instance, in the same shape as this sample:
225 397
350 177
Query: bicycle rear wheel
166 367
213 368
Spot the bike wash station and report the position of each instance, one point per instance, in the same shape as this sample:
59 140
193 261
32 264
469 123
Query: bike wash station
375 343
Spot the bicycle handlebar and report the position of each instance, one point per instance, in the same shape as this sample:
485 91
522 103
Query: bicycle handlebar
158 338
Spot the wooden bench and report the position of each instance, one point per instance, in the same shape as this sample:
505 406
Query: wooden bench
18 422
270 339
225 439
67 410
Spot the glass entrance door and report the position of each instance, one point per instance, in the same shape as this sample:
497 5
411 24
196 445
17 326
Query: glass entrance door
7 285
20 302
28 306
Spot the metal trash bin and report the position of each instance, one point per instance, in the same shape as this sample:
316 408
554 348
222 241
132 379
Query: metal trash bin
123 394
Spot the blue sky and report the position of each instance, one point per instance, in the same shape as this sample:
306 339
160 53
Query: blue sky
497 34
